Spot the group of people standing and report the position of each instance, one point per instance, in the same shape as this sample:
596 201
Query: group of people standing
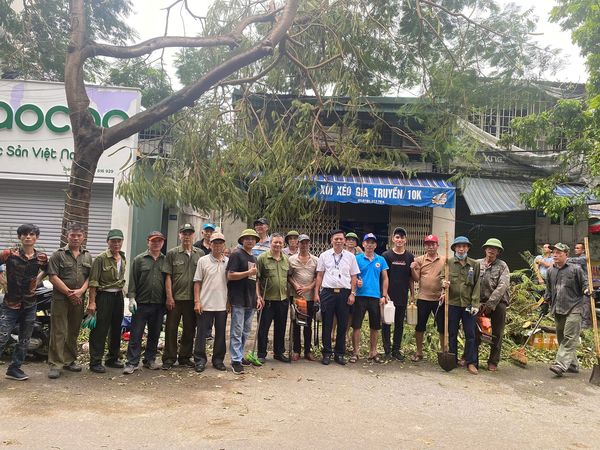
199 285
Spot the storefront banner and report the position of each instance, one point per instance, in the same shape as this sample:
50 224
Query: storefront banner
393 192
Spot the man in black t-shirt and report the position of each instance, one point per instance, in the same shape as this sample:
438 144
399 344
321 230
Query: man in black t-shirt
399 274
241 296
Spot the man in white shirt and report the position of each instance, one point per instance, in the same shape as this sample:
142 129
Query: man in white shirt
210 303
335 289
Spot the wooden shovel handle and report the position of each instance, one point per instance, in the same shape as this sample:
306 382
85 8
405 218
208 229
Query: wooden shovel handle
591 290
446 294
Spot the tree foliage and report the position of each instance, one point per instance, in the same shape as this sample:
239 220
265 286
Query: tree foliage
34 40
571 126
261 157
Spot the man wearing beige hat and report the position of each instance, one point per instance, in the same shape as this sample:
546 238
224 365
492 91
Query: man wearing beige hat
180 265
210 303
146 293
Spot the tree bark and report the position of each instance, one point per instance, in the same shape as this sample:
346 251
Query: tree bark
90 141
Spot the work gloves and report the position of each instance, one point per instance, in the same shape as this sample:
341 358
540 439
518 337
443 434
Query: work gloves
544 308
132 306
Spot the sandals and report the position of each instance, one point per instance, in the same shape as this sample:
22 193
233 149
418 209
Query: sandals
375 358
416 358
353 359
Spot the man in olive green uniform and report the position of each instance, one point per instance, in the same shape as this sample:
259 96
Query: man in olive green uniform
146 293
69 269
271 273
180 266
463 301
107 279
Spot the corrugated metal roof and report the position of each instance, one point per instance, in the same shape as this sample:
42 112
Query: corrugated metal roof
489 196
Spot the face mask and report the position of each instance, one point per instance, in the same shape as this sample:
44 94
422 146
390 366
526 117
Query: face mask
460 257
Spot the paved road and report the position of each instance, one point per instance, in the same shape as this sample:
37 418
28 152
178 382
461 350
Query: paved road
303 405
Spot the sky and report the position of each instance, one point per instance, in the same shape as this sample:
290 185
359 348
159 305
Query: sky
149 21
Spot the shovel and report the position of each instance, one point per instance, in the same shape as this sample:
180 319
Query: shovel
520 356
446 360
595 377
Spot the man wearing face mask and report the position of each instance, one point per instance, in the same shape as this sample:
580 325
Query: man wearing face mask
463 300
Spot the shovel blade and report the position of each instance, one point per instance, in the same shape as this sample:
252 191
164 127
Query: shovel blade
595 377
447 361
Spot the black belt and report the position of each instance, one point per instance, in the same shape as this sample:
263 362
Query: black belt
113 293
335 290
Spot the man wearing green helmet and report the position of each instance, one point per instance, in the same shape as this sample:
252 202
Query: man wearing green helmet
495 281
352 244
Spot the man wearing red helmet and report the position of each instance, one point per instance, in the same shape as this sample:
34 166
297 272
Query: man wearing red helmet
426 270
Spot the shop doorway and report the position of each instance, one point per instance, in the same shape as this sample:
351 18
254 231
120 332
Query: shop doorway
363 219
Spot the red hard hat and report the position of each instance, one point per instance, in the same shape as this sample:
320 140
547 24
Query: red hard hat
431 238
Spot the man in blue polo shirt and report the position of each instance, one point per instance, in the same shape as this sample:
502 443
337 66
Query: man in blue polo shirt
370 296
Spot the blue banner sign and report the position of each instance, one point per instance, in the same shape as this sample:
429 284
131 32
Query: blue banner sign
386 191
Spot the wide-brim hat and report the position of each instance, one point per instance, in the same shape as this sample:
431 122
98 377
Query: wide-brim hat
461 240
248 232
493 242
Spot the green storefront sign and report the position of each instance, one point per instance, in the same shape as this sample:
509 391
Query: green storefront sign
41 118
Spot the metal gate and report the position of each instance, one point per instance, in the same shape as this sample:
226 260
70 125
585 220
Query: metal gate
318 228
42 203
417 223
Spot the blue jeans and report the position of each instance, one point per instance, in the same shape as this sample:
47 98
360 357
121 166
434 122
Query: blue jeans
241 324
25 317
151 314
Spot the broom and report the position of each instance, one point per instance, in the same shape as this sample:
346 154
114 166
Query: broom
519 355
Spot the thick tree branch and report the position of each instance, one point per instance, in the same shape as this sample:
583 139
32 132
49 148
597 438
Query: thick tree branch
231 39
189 94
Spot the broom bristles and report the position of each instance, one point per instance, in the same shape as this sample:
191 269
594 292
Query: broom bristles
519 356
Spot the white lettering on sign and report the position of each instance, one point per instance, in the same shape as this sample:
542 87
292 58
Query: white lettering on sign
344 191
362 192
326 189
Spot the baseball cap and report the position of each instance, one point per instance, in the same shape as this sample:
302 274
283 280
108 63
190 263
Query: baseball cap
369 236
114 234
209 225
155 235
217 237
560 247
399 230
186 227
261 221
303 237
431 238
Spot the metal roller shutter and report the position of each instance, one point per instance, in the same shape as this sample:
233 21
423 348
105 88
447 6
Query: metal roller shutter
42 203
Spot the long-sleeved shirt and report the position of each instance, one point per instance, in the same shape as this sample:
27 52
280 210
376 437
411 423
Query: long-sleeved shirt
495 281
272 275
564 288
105 274
463 291
147 279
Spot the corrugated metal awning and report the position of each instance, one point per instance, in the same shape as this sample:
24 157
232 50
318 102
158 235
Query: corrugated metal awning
490 196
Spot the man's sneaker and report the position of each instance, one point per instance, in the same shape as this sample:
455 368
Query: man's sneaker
557 370
573 369
187 363
14 373
398 356
237 368
114 364
54 373
245 362
167 366
152 365
200 368
98 368
129 369
73 367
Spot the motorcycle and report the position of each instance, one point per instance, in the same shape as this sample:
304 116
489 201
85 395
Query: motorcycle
40 336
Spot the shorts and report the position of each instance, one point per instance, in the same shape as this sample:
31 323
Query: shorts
361 306
424 309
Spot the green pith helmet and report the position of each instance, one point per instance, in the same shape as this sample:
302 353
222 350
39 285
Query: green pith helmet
248 232
461 240
352 236
493 242
291 233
